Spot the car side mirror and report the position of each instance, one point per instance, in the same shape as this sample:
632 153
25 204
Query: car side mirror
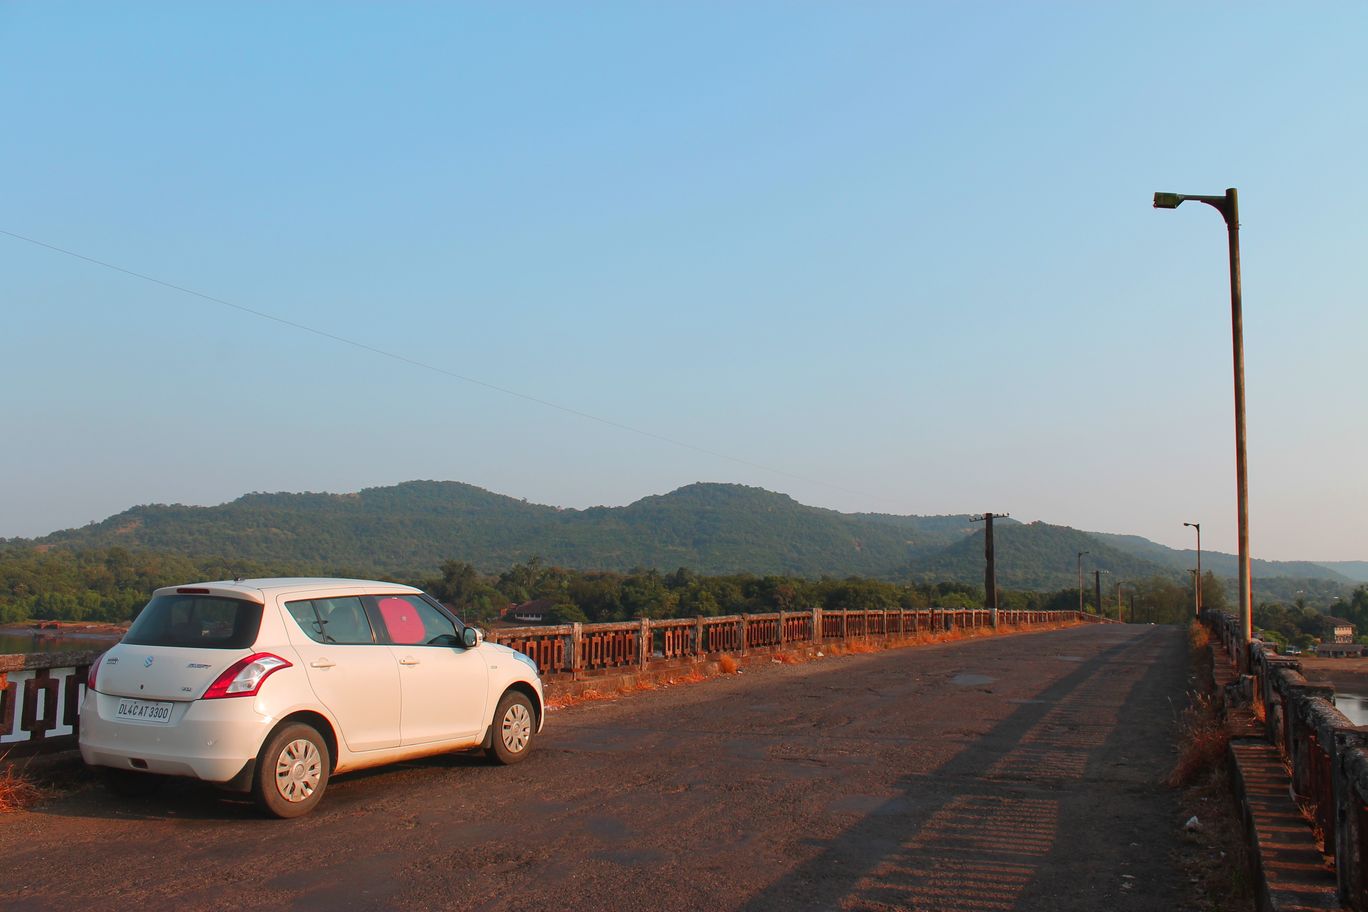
471 637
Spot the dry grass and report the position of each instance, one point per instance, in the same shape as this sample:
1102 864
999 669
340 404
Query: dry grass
1202 741
566 700
789 658
1217 859
1199 638
1202 735
727 664
17 790
1308 811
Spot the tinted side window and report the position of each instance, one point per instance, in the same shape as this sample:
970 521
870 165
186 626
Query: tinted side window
333 620
407 620
199 621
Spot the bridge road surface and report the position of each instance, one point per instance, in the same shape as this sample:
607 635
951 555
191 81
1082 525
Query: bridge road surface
994 774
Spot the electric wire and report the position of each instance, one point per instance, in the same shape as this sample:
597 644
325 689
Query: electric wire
423 365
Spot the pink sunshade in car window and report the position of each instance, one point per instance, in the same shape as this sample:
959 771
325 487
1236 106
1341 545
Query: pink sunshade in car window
402 621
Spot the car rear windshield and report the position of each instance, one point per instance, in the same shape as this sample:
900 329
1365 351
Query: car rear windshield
199 621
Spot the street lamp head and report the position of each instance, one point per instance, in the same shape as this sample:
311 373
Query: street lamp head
1194 525
1167 200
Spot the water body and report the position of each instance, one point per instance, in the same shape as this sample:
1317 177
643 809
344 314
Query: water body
1354 706
19 640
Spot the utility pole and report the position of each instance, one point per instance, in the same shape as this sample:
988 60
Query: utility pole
990 598
1097 579
1080 580
1198 527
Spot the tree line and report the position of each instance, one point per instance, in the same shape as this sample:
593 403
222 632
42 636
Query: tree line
112 584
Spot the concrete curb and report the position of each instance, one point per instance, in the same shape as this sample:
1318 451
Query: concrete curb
1290 872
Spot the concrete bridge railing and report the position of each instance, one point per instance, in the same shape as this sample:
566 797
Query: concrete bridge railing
40 700
41 693
576 650
1327 754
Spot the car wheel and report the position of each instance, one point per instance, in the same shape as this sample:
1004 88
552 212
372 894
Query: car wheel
292 771
514 726
131 784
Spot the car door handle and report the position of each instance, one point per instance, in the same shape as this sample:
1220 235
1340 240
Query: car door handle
322 663
408 660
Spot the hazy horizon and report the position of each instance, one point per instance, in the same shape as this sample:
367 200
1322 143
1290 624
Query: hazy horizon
895 259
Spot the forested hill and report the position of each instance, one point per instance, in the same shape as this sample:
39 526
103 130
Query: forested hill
409 529
1220 563
1035 556
412 527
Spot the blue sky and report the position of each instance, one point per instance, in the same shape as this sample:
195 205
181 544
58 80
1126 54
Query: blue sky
891 257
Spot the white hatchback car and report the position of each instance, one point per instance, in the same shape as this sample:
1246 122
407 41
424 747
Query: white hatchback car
270 686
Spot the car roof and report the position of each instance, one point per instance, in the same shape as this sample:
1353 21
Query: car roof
258 590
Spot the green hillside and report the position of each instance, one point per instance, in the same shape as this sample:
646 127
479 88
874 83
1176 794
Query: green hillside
412 527
1354 570
1219 562
409 530
1034 556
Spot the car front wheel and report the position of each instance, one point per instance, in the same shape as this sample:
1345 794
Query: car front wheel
514 726
292 771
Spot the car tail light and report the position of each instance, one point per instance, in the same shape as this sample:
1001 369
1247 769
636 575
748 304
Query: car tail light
90 672
244 677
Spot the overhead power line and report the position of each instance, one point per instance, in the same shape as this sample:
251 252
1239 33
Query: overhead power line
423 365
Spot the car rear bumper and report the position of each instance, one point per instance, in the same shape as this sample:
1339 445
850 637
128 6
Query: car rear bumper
213 740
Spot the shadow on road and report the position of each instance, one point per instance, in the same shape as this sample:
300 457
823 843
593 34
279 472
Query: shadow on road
189 799
986 831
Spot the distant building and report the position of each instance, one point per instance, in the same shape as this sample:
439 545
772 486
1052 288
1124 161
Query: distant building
1338 630
533 612
1339 650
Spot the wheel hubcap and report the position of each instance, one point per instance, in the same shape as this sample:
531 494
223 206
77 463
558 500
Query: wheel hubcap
299 768
517 728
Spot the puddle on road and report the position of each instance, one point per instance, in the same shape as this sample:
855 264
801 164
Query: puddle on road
1069 658
970 680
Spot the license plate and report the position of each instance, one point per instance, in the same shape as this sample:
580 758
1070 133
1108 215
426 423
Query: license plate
144 711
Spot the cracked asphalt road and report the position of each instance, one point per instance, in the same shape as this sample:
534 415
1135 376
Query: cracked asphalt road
1010 773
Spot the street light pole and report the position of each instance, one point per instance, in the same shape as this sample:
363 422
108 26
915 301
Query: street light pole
1198 602
1080 580
1229 207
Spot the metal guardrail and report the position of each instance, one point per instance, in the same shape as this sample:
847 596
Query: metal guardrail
41 693
1327 754
581 649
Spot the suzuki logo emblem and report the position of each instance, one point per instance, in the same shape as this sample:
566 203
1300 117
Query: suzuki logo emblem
147 662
